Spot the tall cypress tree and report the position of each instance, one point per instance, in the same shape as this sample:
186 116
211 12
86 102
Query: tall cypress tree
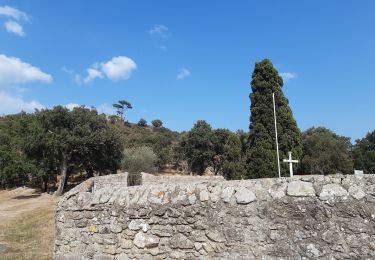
261 150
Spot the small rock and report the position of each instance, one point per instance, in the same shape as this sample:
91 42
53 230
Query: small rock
177 255
216 236
204 195
357 192
313 250
181 241
137 224
300 189
122 256
142 240
244 196
215 193
277 191
192 198
198 246
331 191
101 257
126 244
115 227
227 194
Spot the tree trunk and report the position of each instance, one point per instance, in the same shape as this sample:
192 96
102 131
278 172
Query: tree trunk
90 172
45 183
64 176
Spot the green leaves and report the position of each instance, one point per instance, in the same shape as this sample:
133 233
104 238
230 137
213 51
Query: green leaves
261 150
325 152
364 154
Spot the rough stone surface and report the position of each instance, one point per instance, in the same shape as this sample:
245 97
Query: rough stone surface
301 189
304 217
333 190
244 195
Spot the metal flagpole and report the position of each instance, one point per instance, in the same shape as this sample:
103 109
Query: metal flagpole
277 142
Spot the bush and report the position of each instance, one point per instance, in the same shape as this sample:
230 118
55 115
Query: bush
325 152
139 159
142 122
157 123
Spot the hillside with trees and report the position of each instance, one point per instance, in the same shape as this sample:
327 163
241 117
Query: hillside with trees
54 149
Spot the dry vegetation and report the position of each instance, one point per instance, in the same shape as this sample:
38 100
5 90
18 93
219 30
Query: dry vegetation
26 224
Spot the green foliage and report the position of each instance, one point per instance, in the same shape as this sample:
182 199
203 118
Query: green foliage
161 140
198 147
49 142
15 167
219 138
325 152
78 140
139 159
142 122
261 152
364 154
233 166
157 123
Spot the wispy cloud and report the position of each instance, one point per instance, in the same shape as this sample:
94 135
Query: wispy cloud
105 109
288 75
12 105
183 73
15 71
160 30
16 16
92 74
76 77
71 106
14 13
14 27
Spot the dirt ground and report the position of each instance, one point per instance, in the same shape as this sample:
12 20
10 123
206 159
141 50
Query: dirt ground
26 224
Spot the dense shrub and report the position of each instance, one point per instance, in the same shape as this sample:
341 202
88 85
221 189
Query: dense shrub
157 123
142 122
325 152
139 159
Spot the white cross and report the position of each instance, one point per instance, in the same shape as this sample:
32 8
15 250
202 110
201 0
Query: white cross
290 161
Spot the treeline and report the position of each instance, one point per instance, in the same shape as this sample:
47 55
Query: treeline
49 147
46 147
36 148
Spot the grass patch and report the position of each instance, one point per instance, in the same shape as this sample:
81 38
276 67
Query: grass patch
29 236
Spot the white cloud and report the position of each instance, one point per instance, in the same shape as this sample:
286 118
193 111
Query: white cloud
70 106
14 27
160 30
15 71
13 13
288 75
12 105
106 109
183 73
91 75
118 68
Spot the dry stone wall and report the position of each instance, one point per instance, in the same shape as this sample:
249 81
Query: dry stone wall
311 217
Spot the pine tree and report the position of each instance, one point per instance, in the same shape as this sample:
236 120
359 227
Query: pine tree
261 148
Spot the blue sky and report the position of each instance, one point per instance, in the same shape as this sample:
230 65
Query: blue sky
181 61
